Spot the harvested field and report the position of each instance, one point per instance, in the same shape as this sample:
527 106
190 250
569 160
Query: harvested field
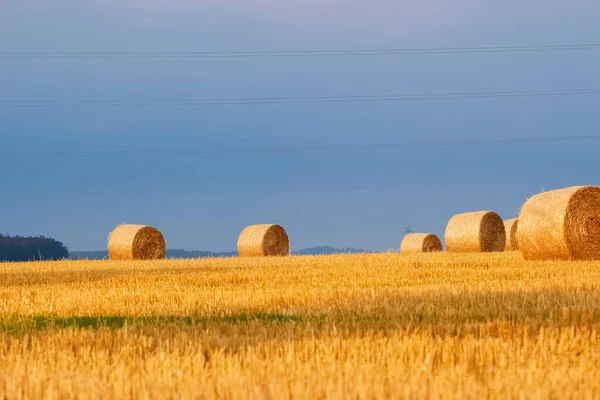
433 325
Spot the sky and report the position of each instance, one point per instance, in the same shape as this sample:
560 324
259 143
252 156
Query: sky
357 198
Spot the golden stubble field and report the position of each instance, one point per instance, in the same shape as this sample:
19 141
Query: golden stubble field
348 326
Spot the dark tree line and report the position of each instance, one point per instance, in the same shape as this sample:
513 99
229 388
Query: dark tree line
19 248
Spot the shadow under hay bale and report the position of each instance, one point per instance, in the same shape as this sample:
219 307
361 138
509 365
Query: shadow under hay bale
561 224
510 227
420 243
479 231
136 242
263 240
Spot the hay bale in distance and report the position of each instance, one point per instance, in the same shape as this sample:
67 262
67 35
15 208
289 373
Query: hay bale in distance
510 227
136 242
561 224
263 240
420 243
480 231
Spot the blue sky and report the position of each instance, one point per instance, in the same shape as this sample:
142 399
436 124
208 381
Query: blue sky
344 198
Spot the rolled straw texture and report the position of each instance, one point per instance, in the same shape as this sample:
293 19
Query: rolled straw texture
561 224
420 243
136 242
512 242
263 240
480 231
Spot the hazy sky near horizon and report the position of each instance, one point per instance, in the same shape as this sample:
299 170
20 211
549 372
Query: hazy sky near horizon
358 198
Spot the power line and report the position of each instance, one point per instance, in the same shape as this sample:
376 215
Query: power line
290 100
303 53
289 190
320 148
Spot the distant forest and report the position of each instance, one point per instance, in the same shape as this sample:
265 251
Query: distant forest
19 248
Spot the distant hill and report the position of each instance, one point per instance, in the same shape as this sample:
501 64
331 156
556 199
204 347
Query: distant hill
180 253
321 250
88 255
171 253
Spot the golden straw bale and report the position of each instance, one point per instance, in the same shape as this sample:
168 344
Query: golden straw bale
420 243
480 231
511 226
263 240
136 242
561 224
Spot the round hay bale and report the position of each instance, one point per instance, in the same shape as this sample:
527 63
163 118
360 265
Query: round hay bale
510 227
420 243
136 242
263 240
480 231
561 224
